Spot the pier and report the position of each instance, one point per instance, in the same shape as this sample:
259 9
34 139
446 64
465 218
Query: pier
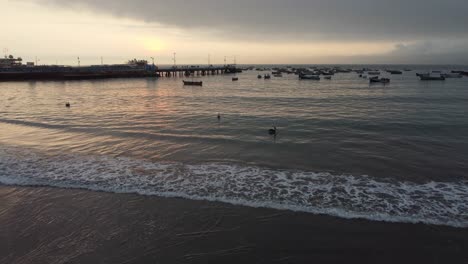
181 71
12 69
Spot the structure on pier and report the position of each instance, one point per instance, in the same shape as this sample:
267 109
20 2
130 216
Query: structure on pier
196 70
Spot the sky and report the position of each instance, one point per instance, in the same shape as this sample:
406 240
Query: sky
245 31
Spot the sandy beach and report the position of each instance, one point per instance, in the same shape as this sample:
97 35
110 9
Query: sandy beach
47 225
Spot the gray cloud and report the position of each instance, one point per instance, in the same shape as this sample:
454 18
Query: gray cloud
425 52
431 52
321 20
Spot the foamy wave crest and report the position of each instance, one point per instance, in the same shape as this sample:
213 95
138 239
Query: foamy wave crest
347 196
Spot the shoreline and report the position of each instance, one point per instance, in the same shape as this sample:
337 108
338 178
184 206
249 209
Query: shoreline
52 225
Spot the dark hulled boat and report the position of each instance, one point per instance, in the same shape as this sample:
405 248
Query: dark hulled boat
193 83
379 80
394 72
432 78
309 77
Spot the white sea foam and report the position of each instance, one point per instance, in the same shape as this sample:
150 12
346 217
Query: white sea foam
441 203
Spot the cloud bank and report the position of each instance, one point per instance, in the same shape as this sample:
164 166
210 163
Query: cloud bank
396 20
429 31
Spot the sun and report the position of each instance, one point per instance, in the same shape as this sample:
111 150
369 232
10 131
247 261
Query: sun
153 44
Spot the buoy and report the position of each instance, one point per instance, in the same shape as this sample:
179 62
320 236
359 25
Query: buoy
272 131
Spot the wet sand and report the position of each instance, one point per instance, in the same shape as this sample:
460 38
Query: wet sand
47 225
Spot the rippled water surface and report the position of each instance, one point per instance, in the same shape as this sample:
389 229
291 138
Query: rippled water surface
397 152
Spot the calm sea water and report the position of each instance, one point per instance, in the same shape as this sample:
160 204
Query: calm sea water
396 153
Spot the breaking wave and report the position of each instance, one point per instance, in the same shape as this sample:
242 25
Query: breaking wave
347 196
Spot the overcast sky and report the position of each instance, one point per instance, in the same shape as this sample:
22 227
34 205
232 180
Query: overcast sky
256 31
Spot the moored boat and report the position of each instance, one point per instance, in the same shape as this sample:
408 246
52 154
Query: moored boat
309 77
379 80
193 83
431 78
394 72
422 74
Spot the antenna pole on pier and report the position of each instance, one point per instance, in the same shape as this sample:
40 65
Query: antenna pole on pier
79 63
152 58
102 61
175 62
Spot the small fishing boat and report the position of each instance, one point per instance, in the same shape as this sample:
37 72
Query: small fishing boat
394 72
327 77
273 131
431 78
259 76
193 83
235 79
422 74
267 76
379 80
309 77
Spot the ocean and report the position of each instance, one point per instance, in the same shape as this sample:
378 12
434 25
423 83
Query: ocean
396 152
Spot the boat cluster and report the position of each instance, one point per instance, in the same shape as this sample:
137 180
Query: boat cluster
439 76
310 73
318 73
428 76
